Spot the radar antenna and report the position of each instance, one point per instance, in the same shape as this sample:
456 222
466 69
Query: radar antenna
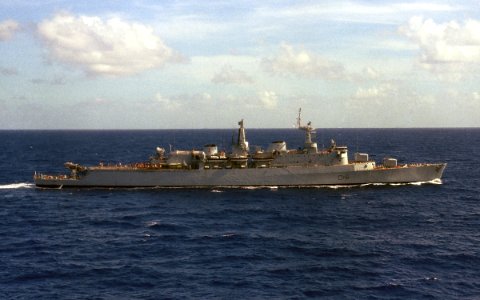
308 132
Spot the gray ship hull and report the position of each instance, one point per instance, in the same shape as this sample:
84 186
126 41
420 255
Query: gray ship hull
283 176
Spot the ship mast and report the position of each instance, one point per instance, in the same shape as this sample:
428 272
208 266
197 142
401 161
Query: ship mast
242 142
309 145
241 148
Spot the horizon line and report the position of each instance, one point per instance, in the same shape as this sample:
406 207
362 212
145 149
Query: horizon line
223 128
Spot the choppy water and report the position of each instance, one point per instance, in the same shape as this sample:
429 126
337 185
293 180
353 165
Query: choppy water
364 242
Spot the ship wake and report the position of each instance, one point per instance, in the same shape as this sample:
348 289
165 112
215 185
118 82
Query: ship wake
327 186
12 186
417 183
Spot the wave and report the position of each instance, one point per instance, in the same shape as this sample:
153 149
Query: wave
22 185
165 226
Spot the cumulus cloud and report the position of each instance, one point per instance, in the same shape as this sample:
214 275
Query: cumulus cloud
366 74
228 75
268 99
176 102
371 73
302 63
166 102
376 92
7 29
476 96
103 47
452 44
394 104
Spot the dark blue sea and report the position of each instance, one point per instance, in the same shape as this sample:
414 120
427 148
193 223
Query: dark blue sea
412 241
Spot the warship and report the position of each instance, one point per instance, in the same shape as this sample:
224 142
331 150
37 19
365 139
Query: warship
275 166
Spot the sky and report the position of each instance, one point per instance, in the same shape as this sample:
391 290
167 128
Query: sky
149 64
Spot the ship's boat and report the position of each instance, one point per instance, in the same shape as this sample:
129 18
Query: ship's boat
275 166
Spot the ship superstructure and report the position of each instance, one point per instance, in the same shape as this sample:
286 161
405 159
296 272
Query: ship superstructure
275 166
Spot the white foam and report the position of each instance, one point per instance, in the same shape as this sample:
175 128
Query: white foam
152 223
22 185
250 187
346 186
417 183
258 187
228 235
337 186
434 181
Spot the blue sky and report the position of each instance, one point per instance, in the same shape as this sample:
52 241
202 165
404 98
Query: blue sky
207 64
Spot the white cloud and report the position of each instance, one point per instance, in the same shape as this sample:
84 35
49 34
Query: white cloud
303 63
167 103
268 99
103 47
476 96
7 29
229 75
371 73
176 102
447 46
366 74
379 92
395 104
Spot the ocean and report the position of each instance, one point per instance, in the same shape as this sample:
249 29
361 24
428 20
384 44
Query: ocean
409 241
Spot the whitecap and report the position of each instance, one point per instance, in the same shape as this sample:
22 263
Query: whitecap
228 235
431 278
152 223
